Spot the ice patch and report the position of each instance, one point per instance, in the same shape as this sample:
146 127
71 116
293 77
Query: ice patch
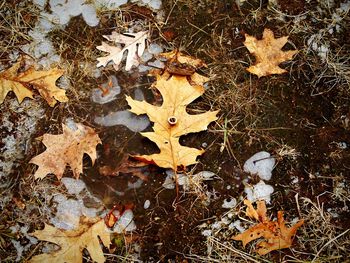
229 203
63 10
260 191
131 121
69 212
155 49
16 140
147 204
207 232
261 164
113 90
238 225
125 222
73 186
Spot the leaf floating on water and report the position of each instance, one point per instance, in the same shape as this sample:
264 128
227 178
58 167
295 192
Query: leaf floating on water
171 121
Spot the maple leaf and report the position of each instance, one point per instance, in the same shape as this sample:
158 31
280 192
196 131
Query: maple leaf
172 121
268 53
277 235
72 242
66 149
134 44
43 81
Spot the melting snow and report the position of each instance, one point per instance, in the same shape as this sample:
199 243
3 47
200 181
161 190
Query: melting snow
125 222
74 186
229 203
260 191
261 164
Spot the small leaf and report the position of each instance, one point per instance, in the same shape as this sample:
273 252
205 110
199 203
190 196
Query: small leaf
134 44
66 149
276 234
268 53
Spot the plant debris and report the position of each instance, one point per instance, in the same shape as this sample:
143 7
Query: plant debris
66 149
73 242
277 235
268 53
22 83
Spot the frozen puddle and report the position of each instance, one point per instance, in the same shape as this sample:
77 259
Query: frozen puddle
111 87
126 118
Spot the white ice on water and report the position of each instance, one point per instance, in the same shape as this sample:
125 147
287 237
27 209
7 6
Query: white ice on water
126 118
185 180
113 90
73 186
69 212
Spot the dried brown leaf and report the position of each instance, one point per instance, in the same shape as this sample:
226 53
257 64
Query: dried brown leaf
66 149
22 83
276 234
172 121
268 53
73 242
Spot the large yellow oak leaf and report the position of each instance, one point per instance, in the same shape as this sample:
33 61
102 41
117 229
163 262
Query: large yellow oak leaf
22 83
72 242
268 53
172 121
276 234
66 149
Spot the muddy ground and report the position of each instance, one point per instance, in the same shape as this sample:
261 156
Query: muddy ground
300 117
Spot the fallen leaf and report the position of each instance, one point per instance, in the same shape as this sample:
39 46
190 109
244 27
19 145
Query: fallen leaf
276 234
268 53
171 121
133 43
179 64
66 149
22 83
73 242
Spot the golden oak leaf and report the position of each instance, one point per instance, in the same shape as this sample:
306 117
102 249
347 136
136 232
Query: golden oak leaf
172 121
44 81
66 149
276 234
268 53
72 242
